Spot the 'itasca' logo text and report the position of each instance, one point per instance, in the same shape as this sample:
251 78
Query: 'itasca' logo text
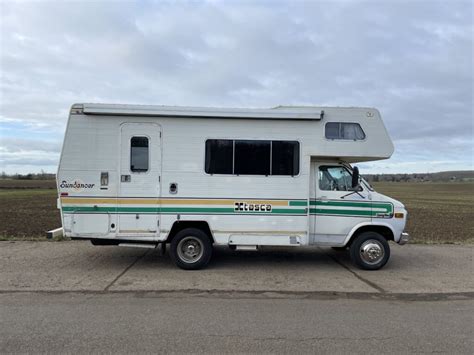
251 207
75 185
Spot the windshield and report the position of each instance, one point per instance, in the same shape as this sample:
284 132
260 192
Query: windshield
366 184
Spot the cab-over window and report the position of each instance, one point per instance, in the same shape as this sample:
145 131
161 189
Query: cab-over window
344 130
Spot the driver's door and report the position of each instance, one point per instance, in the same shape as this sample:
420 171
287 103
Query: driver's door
336 208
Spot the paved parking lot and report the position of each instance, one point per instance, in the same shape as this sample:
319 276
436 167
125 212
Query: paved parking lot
79 266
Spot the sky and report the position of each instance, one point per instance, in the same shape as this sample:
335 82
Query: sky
413 60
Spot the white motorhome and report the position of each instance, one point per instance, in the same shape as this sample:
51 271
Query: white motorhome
195 177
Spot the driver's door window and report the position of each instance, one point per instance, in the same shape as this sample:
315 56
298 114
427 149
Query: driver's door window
337 208
334 178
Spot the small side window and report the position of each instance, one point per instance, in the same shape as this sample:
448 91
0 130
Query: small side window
139 154
344 130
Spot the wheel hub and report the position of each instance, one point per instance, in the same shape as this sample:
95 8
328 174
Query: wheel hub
372 252
190 249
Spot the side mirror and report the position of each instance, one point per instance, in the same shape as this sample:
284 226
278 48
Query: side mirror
355 177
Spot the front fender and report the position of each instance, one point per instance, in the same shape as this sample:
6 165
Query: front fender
396 235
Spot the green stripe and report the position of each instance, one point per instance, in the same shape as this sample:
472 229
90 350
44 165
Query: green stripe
353 212
387 206
176 210
341 212
289 210
346 203
298 203
195 209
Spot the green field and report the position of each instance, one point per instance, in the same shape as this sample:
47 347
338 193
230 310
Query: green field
437 212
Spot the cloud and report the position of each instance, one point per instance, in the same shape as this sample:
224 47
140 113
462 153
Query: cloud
20 155
412 60
19 145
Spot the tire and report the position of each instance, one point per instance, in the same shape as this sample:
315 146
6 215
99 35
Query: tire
339 248
370 251
191 249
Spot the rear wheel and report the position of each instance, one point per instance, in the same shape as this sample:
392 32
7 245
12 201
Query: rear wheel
191 249
370 251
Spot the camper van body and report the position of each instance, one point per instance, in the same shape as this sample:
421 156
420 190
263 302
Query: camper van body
242 177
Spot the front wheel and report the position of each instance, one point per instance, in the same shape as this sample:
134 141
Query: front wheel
370 251
191 249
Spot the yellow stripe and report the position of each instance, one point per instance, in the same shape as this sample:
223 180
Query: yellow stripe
111 201
133 201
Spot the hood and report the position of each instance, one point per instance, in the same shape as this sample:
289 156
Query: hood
377 196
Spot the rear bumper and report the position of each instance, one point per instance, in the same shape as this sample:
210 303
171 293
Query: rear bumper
404 238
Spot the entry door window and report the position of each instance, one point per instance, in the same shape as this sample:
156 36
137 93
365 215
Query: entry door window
334 178
139 154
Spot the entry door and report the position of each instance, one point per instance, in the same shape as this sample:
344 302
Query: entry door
140 170
335 209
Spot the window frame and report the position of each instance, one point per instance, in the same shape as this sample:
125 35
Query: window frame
254 139
149 155
344 139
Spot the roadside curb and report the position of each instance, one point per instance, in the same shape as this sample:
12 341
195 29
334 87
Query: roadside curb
233 294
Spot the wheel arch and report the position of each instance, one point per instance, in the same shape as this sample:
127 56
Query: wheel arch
384 229
180 225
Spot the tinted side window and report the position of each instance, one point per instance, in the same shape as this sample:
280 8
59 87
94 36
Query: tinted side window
139 154
285 158
252 158
219 156
344 130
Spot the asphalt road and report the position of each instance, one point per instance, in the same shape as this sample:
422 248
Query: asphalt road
138 323
73 297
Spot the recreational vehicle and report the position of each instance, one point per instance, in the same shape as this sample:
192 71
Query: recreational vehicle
193 178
